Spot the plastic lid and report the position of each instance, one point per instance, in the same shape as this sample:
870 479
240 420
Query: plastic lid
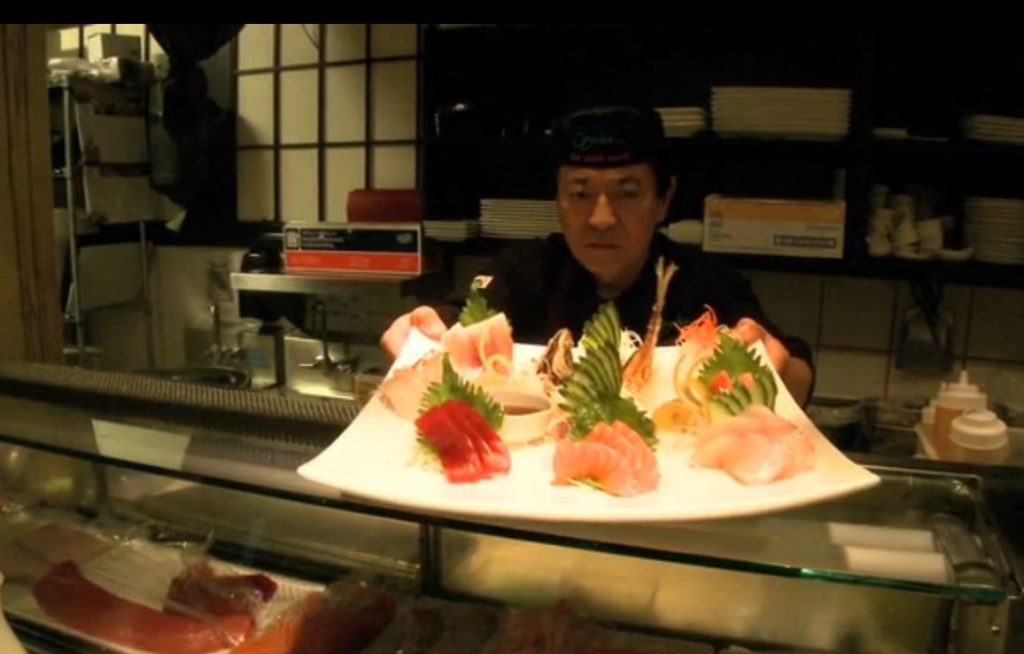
979 430
962 394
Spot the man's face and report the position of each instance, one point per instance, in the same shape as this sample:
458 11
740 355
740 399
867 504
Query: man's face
609 216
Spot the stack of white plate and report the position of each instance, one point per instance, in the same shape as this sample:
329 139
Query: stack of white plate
518 219
995 229
683 121
780 112
995 129
451 230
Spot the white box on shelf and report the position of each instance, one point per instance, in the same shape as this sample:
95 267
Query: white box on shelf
104 46
791 228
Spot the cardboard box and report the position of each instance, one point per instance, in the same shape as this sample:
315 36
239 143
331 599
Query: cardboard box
788 228
105 46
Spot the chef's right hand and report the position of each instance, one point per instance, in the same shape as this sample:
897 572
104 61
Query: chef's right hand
422 318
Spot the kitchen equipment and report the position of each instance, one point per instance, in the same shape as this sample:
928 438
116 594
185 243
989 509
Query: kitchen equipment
265 254
844 422
205 375
377 248
316 366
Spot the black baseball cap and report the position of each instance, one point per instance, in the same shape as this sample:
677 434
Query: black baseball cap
608 137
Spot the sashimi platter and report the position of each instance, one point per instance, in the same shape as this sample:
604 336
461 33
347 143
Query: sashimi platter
601 426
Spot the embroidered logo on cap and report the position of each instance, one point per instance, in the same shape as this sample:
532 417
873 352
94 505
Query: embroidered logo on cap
585 142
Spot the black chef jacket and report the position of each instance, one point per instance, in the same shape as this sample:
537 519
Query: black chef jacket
542 288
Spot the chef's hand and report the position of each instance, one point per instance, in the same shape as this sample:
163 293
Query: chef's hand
749 331
422 318
795 373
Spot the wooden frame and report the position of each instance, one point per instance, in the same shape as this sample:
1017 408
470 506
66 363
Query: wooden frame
30 312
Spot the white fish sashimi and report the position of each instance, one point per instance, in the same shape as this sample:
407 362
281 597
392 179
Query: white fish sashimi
403 390
758 447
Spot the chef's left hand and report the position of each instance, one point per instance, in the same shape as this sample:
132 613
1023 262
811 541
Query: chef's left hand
749 331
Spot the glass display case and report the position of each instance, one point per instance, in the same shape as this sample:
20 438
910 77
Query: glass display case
135 493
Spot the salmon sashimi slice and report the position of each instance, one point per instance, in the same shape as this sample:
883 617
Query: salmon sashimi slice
629 445
612 457
283 636
330 623
68 597
584 462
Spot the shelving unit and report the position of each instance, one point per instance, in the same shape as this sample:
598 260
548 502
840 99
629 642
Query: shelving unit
515 79
70 176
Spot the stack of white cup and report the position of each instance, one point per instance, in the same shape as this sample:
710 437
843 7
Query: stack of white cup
929 234
894 229
904 229
880 224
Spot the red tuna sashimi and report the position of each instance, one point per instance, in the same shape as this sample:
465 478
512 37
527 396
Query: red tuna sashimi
459 458
488 444
468 447
68 597
201 590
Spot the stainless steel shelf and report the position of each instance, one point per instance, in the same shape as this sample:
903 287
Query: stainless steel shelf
312 284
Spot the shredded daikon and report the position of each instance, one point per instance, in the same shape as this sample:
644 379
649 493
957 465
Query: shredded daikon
630 343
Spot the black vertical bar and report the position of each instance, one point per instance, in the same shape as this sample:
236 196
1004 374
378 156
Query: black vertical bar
233 98
81 41
859 152
277 121
233 109
430 550
145 42
428 128
321 117
419 102
368 150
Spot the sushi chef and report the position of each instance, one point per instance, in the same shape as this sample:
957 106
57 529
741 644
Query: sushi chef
614 190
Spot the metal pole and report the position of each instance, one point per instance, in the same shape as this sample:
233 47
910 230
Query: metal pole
69 187
147 307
